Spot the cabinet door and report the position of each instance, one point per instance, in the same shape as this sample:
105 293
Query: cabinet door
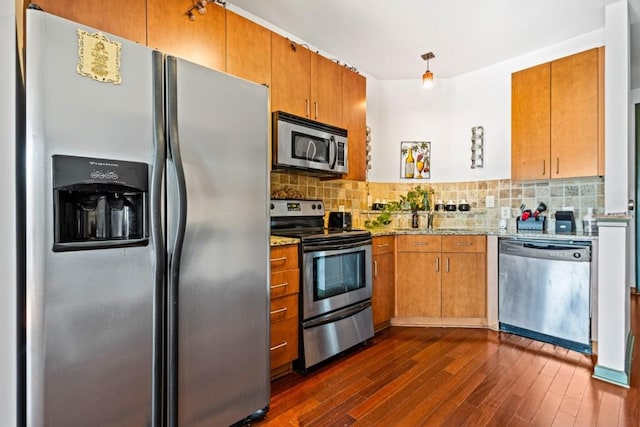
124 18
464 291
290 76
326 90
383 298
248 49
201 41
531 123
354 119
574 115
419 279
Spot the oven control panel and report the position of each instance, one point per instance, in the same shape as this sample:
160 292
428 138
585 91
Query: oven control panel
289 207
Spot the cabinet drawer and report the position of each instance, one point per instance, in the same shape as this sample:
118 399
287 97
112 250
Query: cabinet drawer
284 257
285 283
284 308
284 342
476 244
383 245
419 243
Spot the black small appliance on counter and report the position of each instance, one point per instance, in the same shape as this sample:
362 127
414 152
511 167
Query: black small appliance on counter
565 222
340 221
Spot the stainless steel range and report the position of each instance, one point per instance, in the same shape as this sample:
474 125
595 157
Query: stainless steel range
335 276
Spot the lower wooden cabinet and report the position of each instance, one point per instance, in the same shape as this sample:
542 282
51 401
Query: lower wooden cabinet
419 276
285 278
383 295
441 277
464 284
284 342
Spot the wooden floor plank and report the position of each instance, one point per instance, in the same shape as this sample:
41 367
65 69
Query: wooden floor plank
411 377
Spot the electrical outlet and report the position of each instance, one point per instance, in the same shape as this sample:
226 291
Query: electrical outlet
490 201
505 213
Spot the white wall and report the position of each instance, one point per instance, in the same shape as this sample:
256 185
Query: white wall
617 87
446 113
8 318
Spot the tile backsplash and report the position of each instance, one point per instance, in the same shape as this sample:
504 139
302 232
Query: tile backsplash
576 193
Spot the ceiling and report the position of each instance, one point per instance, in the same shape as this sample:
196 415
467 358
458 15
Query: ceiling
385 39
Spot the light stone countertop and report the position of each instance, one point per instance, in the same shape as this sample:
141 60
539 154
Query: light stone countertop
480 231
282 241
376 232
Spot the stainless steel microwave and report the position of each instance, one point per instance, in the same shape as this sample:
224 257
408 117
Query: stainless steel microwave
309 146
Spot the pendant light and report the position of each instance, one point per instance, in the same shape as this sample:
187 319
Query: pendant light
427 77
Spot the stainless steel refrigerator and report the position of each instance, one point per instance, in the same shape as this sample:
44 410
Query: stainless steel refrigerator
146 235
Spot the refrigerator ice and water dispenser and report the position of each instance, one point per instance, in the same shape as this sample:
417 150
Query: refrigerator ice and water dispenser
99 203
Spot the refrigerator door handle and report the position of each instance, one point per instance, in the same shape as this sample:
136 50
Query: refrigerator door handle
174 158
155 194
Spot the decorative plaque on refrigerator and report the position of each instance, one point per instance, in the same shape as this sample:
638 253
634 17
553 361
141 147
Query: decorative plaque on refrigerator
99 57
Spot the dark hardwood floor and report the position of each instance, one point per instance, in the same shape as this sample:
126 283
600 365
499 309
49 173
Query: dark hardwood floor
457 377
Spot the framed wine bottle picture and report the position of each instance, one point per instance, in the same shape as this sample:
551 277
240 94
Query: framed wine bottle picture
415 160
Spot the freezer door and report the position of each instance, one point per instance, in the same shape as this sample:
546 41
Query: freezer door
89 313
219 291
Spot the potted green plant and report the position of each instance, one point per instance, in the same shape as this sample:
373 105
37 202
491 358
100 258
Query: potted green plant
418 198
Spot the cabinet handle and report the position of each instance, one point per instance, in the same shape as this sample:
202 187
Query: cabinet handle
315 105
280 310
420 243
375 268
447 264
281 285
306 106
282 344
383 246
437 264
544 167
557 165
464 244
279 260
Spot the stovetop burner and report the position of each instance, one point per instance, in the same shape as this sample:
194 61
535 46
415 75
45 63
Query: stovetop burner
304 219
307 234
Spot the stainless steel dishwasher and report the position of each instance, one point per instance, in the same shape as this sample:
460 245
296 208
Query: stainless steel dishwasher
544 291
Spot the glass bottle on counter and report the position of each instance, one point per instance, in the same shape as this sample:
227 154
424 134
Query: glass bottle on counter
414 219
589 223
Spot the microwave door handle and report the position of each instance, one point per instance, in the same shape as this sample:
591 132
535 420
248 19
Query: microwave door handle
333 143
313 155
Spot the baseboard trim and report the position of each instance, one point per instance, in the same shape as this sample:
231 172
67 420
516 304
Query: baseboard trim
613 376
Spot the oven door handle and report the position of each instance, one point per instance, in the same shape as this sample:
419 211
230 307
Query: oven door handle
335 316
335 247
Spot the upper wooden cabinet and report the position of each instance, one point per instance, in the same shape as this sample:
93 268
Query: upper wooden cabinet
531 123
557 118
201 41
326 90
354 119
248 49
123 18
304 83
290 76
575 115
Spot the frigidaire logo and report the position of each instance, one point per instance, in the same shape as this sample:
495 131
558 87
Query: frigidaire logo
102 175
